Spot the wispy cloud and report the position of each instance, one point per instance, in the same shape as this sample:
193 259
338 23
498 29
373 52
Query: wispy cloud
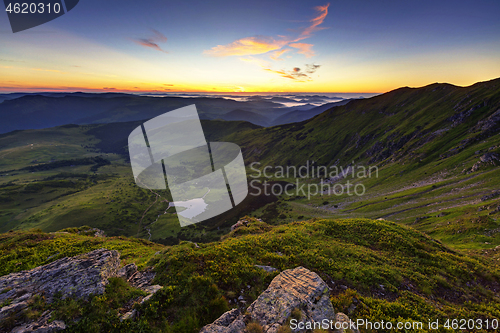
311 68
277 54
152 41
275 47
247 46
305 49
263 44
296 73
315 22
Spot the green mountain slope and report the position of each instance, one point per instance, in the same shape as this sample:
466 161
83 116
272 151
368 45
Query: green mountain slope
407 124
436 151
376 269
72 175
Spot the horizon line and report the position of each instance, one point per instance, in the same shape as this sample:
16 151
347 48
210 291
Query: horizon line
185 92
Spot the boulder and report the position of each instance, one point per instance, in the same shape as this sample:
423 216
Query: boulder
78 277
296 289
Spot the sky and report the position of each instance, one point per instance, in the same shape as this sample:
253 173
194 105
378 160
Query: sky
254 46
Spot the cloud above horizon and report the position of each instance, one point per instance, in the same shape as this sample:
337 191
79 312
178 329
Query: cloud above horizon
152 42
315 22
277 54
263 44
247 46
303 48
296 73
275 47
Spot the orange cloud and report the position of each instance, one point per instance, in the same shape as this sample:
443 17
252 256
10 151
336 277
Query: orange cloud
315 22
277 54
295 74
263 44
280 72
247 46
305 49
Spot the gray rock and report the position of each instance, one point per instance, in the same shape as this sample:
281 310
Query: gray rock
489 158
268 269
239 224
41 325
229 322
78 276
486 159
296 288
343 320
12 309
127 271
128 315
152 289
142 279
227 318
489 124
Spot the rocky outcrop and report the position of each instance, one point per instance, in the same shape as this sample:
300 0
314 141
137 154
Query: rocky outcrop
239 224
76 277
268 269
459 117
489 124
294 290
486 159
140 280
42 325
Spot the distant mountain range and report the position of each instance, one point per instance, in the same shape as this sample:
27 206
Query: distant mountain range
33 111
300 114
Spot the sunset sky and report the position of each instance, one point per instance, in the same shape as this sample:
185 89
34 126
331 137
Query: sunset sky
254 46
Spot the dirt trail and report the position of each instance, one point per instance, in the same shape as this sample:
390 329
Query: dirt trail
158 196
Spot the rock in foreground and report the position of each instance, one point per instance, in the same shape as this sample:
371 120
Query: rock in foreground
294 290
77 277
